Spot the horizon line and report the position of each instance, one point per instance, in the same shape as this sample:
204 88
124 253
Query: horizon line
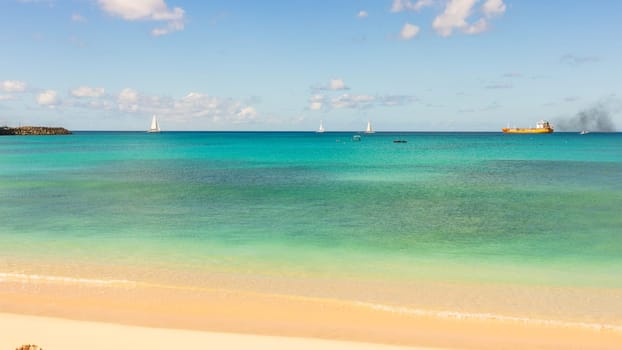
334 131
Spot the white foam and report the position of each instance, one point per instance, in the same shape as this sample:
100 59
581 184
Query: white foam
445 314
28 278
489 317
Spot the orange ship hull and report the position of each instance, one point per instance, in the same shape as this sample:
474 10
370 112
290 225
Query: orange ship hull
527 130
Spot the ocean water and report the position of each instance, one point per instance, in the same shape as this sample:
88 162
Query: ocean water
472 208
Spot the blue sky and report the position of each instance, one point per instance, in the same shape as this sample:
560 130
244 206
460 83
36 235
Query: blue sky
286 65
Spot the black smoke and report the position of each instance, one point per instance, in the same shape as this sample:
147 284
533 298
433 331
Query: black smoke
596 118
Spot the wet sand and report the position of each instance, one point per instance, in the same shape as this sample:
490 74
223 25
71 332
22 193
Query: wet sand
236 312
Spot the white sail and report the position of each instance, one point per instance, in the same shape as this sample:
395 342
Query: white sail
321 128
155 127
369 130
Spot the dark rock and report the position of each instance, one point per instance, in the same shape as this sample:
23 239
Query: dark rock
33 130
29 347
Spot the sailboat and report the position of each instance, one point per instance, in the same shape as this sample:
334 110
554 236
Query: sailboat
155 127
321 128
369 130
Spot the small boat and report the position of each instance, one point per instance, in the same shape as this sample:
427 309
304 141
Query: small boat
321 128
400 141
583 132
369 130
542 127
155 127
356 138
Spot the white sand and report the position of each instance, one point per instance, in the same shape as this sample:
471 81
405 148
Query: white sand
60 334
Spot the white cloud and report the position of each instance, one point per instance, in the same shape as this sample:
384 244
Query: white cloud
396 100
362 14
478 27
316 102
76 17
156 10
193 106
403 5
172 26
129 100
247 113
337 84
147 10
13 86
493 8
199 105
315 106
454 16
457 12
7 98
48 98
106 104
409 31
352 101
85 91
128 95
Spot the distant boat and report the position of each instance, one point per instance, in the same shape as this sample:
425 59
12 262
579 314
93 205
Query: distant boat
321 128
356 138
369 130
400 141
155 127
542 127
583 132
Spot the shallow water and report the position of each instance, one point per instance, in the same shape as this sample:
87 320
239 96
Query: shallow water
447 207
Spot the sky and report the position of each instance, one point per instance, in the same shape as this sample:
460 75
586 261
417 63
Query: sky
411 65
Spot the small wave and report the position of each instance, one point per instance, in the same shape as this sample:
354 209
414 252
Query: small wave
489 317
27 278
456 315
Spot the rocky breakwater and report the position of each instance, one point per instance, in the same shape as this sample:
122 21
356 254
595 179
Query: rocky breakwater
33 130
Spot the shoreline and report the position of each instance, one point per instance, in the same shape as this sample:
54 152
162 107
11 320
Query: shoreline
57 333
247 312
384 307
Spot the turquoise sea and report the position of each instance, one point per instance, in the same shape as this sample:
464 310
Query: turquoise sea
482 208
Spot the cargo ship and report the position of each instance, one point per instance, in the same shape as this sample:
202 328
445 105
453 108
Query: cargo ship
542 127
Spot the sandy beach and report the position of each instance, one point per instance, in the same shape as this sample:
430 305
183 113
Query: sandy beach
40 313
54 333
